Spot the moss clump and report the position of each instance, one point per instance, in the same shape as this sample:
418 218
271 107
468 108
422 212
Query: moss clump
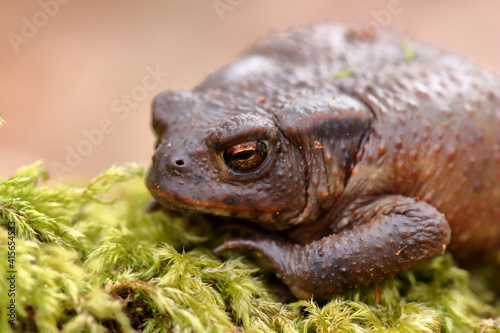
89 258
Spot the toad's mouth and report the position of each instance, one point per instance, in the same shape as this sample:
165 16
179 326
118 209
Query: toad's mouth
221 207
262 212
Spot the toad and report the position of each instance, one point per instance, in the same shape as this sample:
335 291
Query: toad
364 153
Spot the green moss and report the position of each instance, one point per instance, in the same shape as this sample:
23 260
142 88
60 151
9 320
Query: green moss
91 259
346 72
409 51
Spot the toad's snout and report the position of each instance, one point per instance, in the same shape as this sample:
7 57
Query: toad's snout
172 162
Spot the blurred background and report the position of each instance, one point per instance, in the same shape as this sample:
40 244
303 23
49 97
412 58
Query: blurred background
77 77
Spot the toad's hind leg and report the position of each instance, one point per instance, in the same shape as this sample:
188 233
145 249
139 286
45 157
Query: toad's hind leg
396 233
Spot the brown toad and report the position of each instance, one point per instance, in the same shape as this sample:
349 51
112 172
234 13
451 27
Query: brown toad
367 152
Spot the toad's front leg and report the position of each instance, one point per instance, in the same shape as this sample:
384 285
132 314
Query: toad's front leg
396 233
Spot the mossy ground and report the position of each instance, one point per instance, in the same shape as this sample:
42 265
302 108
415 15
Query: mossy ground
90 259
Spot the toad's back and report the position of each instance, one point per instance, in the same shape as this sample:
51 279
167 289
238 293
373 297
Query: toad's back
437 137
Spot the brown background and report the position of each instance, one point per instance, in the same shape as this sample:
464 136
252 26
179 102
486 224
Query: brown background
66 75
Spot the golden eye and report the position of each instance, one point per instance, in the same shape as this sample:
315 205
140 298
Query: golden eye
246 156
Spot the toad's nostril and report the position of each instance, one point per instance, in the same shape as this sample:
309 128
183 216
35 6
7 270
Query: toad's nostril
177 162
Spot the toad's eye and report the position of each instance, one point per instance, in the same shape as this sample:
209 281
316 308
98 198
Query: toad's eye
246 156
